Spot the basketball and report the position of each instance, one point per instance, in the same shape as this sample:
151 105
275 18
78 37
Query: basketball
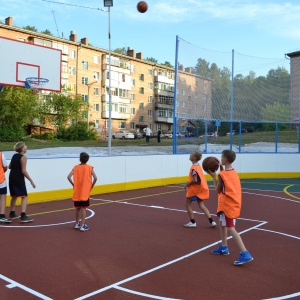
210 163
142 7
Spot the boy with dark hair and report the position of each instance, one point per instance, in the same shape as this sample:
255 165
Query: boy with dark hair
196 190
82 184
228 187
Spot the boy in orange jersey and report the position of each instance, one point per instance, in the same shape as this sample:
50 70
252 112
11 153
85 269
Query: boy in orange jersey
228 187
196 190
82 185
3 188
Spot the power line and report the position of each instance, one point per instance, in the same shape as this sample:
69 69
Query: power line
95 8
55 22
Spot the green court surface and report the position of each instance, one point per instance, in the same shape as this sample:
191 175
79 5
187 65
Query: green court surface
290 185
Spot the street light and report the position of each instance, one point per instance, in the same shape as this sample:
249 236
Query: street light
109 4
88 102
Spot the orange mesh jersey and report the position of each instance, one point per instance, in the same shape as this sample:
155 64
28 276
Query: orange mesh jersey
82 182
200 190
230 197
2 174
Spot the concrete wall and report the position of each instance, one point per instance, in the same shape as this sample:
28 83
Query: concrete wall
121 173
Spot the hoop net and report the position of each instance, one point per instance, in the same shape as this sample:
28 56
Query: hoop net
35 83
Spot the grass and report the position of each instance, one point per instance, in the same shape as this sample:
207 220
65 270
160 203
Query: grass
247 138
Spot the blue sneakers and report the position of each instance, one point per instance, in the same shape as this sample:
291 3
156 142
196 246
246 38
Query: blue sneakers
244 258
84 227
221 250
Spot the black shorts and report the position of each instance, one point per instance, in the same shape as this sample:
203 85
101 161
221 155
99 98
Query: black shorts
3 191
83 204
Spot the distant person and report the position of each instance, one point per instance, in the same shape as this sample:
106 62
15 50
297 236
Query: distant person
148 133
17 186
158 136
83 178
196 190
228 187
3 188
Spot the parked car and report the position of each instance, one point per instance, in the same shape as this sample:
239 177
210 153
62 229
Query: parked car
209 135
234 132
123 134
138 135
167 135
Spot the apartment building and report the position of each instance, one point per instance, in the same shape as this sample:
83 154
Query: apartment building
142 92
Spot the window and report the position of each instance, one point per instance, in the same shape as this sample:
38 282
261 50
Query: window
132 125
85 80
96 91
183 80
141 77
150 113
189 111
96 107
72 70
141 105
64 67
96 76
204 96
183 93
132 96
196 94
204 85
132 67
196 105
189 98
72 87
72 54
150 85
141 119
121 125
150 72
149 99
133 82
197 83
122 108
96 59
183 104
141 90
96 122
84 98
132 110
85 65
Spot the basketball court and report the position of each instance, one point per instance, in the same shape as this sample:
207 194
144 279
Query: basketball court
137 248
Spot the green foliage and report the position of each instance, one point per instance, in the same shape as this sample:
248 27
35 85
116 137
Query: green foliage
45 136
11 133
276 111
152 59
122 50
31 28
18 106
76 132
168 64
47 31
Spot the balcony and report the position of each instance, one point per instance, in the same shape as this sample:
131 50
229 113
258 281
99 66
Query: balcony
115 115
164 120
114 99
164 79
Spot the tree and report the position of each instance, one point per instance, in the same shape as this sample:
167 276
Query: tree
168 64
47 31
151 59
202 68
31 28
122 50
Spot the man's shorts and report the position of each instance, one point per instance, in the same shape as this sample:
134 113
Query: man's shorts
82 204
194 198
3 191
225 221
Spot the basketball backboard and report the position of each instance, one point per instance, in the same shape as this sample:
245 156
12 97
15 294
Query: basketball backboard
20 60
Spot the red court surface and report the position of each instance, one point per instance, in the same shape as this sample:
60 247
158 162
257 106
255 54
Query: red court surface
137 248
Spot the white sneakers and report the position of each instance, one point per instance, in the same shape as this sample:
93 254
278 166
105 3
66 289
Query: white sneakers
190 225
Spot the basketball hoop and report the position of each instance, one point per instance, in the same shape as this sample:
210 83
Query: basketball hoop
35 83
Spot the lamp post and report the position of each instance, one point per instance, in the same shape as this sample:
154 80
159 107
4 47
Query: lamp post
88 108
109 4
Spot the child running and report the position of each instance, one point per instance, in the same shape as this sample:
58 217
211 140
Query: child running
196 190
82 185
228 187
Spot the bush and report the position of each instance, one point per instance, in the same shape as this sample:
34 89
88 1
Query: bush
11 133
77 132
45 136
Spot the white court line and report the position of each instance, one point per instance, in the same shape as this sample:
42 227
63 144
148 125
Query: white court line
277 232
143 294
270 196
160 267
14 284
46 225
285 297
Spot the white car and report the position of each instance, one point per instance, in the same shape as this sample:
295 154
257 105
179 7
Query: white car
122 134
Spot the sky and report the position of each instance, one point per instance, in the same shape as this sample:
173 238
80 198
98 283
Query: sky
258 30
